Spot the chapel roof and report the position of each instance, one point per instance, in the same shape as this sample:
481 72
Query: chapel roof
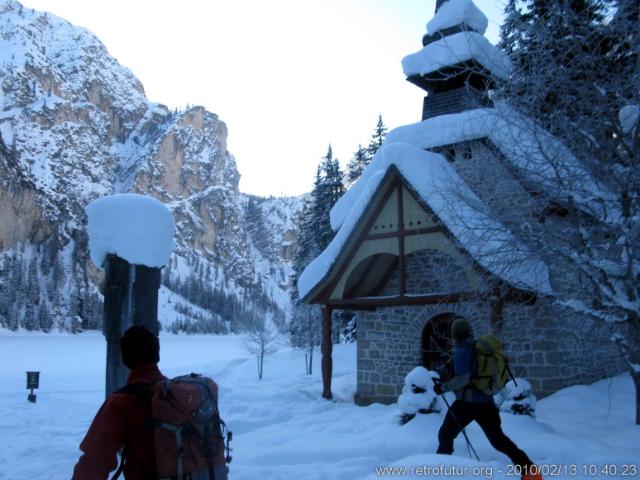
438 185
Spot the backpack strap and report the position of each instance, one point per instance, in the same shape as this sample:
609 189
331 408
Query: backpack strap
120 468
138 389
141 390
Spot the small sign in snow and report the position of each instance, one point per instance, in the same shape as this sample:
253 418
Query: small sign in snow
33 381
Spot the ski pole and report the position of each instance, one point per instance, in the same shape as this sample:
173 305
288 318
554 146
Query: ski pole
455 419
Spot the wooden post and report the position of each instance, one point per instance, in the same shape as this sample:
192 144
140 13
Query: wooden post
130 298
327 348
145 295
636 381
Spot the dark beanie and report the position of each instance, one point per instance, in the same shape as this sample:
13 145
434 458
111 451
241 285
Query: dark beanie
138 346
460 329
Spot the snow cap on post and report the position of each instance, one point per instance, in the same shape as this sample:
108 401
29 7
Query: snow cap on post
136 228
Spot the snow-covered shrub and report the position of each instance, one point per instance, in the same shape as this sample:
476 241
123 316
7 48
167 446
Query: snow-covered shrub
517 399
629 117
417 394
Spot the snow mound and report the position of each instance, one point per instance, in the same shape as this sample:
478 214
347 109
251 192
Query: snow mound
137 228
517 398
417 393
421 377
458 12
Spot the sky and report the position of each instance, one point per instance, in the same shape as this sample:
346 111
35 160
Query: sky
288 77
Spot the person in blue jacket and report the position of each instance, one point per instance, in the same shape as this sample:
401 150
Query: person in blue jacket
472 404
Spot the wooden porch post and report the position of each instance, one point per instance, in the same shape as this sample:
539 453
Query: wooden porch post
327 348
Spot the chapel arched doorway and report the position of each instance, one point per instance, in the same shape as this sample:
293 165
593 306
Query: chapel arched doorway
437 345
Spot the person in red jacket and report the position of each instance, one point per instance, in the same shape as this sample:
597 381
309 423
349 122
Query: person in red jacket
123 420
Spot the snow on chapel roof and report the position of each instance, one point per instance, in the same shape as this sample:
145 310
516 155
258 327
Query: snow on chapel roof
538 155
134 227
437 183
458 12
454 49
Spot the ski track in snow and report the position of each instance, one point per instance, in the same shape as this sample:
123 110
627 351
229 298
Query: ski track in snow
282 428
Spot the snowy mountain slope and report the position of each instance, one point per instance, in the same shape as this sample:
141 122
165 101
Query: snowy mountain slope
273 230
76 125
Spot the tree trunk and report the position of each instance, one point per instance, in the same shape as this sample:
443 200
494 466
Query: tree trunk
261 361
636 380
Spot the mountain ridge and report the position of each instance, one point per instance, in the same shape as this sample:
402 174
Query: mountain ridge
76 125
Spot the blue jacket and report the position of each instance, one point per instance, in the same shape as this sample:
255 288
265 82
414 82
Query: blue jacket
464 366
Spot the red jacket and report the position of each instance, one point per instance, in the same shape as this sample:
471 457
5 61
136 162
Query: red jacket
122 421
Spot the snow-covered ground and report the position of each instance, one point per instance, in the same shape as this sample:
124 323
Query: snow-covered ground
284 430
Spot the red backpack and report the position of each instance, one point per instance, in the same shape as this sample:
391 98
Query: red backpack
188 432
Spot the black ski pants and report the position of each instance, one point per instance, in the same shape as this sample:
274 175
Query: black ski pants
486 414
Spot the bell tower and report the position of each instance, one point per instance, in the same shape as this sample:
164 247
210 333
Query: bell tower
457 65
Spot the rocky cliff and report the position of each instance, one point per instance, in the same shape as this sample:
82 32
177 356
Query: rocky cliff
76 125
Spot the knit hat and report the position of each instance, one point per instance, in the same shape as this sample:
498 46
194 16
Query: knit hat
139 346
460 329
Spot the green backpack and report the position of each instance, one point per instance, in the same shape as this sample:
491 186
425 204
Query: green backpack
492 371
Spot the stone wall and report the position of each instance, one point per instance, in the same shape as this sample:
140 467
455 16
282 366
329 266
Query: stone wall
389 344
548 347
554 348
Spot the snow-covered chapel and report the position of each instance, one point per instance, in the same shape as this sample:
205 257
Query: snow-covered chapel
436 228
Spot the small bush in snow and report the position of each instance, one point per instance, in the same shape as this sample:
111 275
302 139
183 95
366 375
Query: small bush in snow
518 400
417 394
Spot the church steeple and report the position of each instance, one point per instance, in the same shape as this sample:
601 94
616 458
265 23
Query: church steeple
457 65
439 4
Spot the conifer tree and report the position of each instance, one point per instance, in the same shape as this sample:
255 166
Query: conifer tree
45 322
330 188
377 139
363 156
568 66
306 249
357 164
575 69
315 235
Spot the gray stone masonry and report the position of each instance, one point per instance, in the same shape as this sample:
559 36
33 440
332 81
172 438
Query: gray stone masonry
546 346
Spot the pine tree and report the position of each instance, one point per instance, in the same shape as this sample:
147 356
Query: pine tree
255 224
575 67
29 320
563 67
363 156
326 193
306 248
377 139
357 164
45 322
4 290
315 235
